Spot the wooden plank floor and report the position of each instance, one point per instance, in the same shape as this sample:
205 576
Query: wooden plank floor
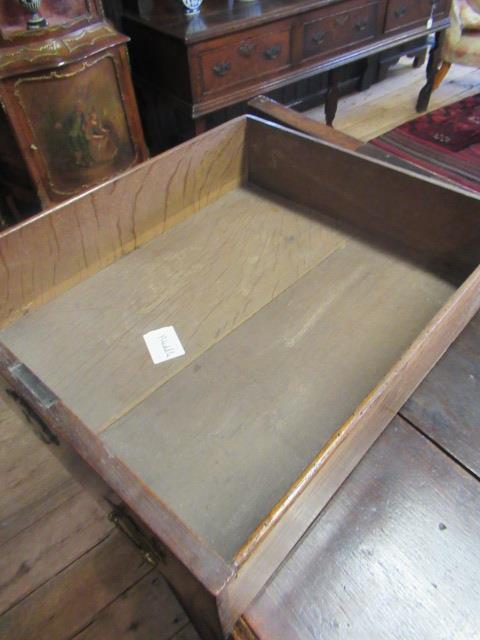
64 573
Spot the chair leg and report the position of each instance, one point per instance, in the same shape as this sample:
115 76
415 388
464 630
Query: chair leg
331 99
434 59
441 73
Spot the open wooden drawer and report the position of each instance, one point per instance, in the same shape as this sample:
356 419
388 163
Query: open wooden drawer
312 290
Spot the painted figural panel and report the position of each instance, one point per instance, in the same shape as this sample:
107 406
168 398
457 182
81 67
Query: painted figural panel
79 126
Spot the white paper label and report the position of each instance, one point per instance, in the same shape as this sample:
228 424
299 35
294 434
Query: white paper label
163 344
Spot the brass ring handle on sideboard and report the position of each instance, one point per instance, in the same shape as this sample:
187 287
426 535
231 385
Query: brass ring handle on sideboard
361 25
221 68
246 49
400 12
319 37
273 52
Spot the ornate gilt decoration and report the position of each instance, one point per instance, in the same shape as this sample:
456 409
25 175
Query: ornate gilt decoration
55 48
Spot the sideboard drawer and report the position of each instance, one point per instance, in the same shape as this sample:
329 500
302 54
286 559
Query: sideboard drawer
245 58
340 27
405 13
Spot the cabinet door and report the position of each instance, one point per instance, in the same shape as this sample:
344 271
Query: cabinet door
74 124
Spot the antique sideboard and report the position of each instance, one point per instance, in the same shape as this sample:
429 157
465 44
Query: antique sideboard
232 51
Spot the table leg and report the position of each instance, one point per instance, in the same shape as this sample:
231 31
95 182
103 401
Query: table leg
370 72
200 125
419 60
331 100
432 66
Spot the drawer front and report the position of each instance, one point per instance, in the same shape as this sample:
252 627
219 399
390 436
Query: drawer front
402 14
339 28
244 59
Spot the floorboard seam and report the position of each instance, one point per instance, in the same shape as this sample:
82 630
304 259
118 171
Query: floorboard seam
55 575
439 446
109 604
175 634
68 481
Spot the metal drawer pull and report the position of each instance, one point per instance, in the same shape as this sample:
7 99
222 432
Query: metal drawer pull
361 25
400 12
273 52
132 531
341 20
39 426
221 68
319 37
246 49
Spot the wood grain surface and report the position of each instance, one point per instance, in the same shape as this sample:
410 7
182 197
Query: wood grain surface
62 534
53 251
204 277
394 554
62 607
45 521
148 609
274 382
272 111
32 481
434 221
446 406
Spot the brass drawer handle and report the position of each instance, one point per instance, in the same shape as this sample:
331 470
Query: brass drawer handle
273 52
400 12
246 49
341 20
39 426
319 37
361 25
221 68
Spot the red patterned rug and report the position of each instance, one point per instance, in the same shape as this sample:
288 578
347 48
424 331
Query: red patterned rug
445 141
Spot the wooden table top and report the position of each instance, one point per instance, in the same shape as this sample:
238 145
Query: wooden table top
395 552
217 17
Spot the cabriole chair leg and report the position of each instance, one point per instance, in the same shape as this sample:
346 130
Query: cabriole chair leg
441 73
